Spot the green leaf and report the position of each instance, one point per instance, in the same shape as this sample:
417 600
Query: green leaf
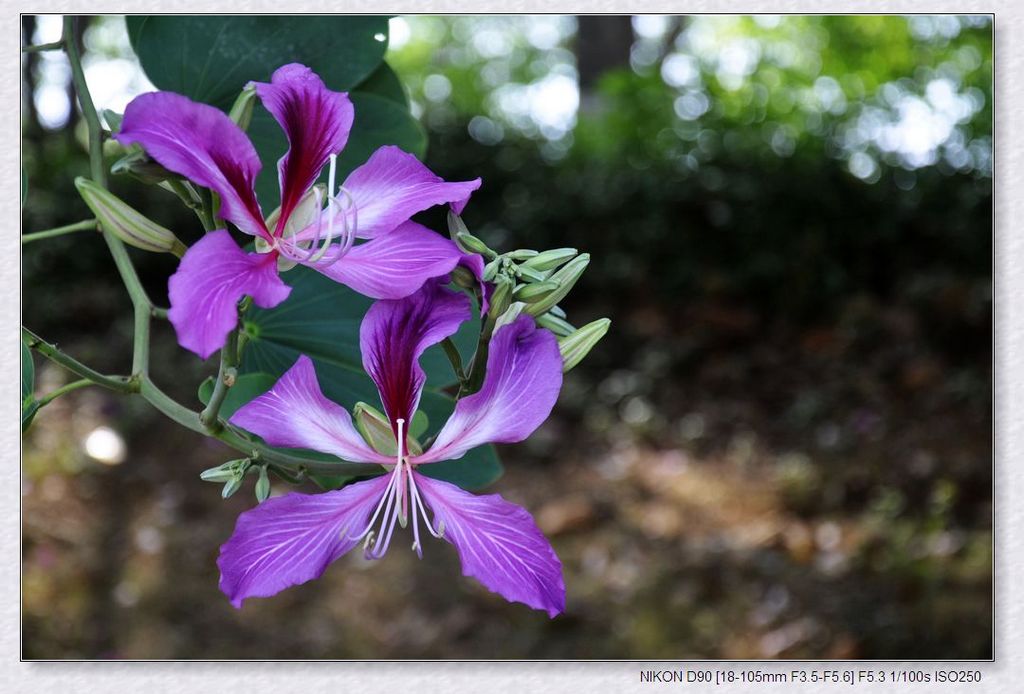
29 406
321 320
378 121
211 58
384 82
28 373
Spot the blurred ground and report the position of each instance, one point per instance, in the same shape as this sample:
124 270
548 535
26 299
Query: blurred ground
693 512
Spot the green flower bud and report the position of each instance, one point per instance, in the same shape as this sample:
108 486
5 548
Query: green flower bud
531 275
578 345
226 472
262 485
558 326
491 270
532 293
565 277
241 110
549 260
125 222
472 244
557 312
231 487
510 314
455 225
501 298
521 254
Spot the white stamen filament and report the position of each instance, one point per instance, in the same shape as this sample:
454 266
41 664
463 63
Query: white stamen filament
393 505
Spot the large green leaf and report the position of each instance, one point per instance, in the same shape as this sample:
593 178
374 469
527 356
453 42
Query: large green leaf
321 320
379 120
211 58
384 82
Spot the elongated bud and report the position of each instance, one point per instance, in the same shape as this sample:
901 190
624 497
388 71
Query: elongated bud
522 254
557 312
565 277
137 164
491 270
127 223
549 260
472 244
532 293
455 225
463 277
231 487
241 110
501 298
559 326
531 275
226 472
262 485
578 345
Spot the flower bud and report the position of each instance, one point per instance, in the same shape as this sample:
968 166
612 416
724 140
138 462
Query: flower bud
231 487
549 260
226 472
501 298
262 485
491 270
532 293
455 225
509 316
471 244
531 275
559 326
578 345
522 254
241 110
127 223
565 277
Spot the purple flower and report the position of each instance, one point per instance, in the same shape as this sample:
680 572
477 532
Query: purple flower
375 203
291 539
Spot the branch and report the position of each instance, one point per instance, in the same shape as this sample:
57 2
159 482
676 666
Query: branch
53 46
87 225
121 384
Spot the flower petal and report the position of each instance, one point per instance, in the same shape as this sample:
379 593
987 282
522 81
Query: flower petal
395 265
296 414
498 544
288 540
213 276
394 334
202 144
393 185
524 375
317 122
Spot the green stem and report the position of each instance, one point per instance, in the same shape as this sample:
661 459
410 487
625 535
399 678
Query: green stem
479 366
53 46
92 119
121 384
87 225
226 375
53 395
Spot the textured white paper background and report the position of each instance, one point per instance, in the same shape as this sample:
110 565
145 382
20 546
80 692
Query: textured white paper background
1005 675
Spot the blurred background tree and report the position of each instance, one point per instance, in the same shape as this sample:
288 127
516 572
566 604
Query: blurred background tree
783 448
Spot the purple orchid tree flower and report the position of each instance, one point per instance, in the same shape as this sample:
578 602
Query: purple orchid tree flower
376 202
291 539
